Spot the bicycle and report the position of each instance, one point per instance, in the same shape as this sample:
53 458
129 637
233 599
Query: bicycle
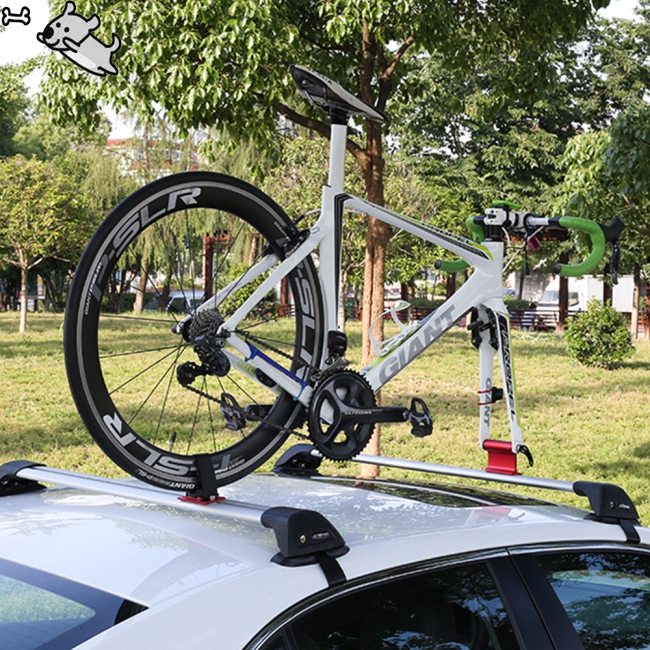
231 379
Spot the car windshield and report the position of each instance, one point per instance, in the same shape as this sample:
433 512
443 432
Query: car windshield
551 297
39 610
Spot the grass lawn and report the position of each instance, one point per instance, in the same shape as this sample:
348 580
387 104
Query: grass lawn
580 423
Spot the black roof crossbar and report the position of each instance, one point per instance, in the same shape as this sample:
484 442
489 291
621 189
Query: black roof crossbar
609 503
306 537
298 461
303 536
11 483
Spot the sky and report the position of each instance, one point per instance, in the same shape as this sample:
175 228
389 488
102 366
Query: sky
18 42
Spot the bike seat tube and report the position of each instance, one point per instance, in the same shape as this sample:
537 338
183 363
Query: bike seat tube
338 141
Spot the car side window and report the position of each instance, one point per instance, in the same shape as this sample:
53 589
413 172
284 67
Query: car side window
606 595
452 609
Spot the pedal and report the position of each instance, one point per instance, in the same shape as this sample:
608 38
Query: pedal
233 413
421 421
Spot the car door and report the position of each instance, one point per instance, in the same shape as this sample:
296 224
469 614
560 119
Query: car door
593 597
470 603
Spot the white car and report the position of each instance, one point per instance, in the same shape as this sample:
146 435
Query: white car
298 561
178 302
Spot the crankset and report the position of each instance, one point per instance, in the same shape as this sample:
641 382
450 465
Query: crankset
343 414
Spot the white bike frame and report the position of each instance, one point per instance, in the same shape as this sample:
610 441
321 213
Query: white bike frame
482 291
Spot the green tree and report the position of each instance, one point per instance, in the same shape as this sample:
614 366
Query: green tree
607 174
42 217
226 62
607 171
13 103
41 138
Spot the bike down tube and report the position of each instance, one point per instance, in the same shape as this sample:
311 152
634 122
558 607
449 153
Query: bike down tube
479 285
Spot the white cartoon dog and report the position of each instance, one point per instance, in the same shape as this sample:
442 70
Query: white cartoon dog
70 34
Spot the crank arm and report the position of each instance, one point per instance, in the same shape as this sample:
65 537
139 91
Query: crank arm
375 414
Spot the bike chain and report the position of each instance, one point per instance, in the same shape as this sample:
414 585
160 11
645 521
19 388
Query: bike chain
319 375
221 402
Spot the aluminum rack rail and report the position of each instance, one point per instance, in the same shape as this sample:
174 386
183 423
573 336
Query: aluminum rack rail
303 536
609 503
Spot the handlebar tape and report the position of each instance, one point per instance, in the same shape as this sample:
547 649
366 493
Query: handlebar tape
598 235
451 266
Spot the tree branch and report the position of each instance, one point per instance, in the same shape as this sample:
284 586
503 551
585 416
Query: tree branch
385 82
398 56
316 125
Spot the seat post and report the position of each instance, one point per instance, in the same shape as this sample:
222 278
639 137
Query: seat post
338 141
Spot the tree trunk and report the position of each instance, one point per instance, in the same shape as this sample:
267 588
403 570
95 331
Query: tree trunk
563 298
138 304
634 326
23 299
450 285
374 270
208 265
340 320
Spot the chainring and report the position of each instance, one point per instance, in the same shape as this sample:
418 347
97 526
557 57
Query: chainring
332 425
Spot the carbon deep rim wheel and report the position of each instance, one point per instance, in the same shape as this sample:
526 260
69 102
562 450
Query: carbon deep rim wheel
140 276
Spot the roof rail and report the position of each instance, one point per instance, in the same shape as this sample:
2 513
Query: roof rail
609 503
303 536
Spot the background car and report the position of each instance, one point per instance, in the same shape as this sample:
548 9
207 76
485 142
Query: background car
178 302
299 561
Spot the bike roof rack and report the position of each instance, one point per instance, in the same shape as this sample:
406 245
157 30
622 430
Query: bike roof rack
609 503
303 536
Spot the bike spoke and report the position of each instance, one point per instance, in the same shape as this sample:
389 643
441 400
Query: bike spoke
149 367
134 352
153 390
164 405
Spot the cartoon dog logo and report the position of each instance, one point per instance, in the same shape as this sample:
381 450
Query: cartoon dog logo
71 35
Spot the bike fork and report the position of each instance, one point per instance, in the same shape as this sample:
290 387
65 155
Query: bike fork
491 334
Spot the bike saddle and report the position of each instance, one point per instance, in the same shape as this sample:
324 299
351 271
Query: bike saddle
332 98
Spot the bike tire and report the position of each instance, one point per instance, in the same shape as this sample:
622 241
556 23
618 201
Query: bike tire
121 358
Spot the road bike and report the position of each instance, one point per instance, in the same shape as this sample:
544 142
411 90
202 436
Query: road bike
195 398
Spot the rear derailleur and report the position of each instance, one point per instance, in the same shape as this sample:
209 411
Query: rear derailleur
202 333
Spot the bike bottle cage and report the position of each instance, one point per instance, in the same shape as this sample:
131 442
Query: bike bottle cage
332 98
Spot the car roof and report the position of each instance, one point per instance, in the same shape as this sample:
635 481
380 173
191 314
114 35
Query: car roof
197 568
158 551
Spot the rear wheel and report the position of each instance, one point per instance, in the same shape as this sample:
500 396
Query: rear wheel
143 364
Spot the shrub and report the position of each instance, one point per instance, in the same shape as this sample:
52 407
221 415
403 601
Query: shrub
516 304
599 337
425 303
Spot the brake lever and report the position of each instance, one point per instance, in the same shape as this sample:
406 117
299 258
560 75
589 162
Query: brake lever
614 261
612 234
